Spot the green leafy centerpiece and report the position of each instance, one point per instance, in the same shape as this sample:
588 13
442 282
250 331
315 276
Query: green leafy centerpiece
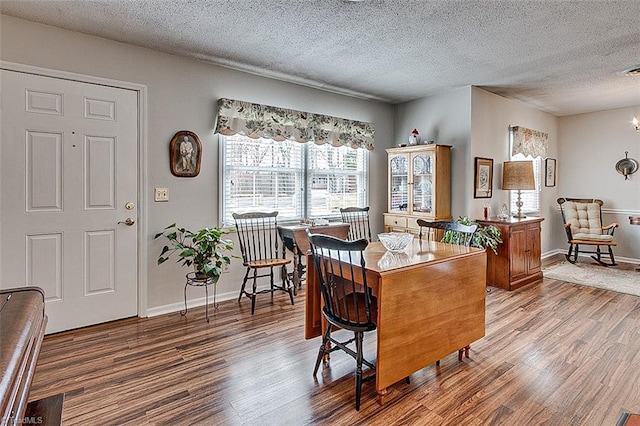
485 236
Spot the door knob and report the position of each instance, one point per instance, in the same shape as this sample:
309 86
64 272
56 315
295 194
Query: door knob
128 221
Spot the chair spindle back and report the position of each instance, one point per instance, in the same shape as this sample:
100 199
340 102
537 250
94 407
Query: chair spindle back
343 282
257 235
358 220
449 232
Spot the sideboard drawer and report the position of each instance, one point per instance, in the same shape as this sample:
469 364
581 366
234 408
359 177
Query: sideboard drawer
395 221
412 224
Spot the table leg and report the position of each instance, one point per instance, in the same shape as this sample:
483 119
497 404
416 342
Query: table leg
382 394
296 275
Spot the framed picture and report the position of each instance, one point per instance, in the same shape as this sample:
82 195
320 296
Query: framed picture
483 182
185 152
550 172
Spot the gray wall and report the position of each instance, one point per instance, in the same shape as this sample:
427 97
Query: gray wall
491 117
182 95
586 146
475 122
591 146
445 119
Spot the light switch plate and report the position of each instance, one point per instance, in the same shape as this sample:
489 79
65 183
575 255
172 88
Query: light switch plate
161 194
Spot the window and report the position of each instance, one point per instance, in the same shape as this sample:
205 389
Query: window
530 198
298 180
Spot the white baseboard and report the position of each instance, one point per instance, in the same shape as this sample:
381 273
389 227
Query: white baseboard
198 301
191 303
564 251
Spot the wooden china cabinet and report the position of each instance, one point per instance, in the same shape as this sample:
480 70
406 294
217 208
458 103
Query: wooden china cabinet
518 261
419 186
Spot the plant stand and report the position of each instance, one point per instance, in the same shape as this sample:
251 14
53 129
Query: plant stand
205 282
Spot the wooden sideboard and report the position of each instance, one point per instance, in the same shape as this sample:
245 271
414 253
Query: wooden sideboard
518 260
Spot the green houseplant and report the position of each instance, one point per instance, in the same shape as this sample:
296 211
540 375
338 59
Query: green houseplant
485 236
205 249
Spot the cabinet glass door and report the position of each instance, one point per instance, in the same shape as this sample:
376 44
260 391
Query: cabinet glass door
399 179
423 183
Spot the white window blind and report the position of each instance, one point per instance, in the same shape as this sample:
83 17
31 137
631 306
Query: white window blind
298 180
336 178
261 175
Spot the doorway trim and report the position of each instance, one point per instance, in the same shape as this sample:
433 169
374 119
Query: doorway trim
141 90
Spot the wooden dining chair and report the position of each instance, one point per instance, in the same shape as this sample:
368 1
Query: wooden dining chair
348 302
358 220
452 233
259 241
447 232
299 269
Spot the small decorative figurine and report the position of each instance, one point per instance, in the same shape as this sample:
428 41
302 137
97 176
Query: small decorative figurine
504 212
414 137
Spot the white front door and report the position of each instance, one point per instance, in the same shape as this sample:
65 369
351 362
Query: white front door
69 171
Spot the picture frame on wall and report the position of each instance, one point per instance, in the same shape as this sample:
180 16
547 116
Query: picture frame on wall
550 172
185 153
483 180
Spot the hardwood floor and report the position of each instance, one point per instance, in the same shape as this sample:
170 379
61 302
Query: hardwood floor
554 353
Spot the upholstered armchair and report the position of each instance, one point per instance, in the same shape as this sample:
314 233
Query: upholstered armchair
582 219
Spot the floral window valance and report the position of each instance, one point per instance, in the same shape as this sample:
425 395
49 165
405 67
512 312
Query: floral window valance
256 121
529 142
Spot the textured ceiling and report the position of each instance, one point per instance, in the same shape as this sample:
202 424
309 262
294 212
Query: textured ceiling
564 57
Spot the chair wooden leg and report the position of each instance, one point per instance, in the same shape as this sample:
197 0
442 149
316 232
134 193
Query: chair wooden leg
253 294
598 257
287 284
359 336
244 283
323 349
273 287
570 252
613 260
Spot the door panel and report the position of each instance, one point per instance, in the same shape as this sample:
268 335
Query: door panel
68 167
518 255
44 171
44 263
534 249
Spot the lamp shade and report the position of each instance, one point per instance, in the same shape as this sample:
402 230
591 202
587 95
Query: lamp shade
518 175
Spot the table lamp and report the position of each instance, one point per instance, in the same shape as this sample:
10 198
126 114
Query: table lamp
518 175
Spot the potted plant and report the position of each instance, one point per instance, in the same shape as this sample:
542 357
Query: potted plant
205 249
485 236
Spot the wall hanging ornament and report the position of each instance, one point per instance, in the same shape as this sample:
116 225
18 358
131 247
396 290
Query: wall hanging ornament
627 166
185 153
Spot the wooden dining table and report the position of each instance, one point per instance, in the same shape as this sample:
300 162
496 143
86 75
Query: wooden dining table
431 303
298 234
